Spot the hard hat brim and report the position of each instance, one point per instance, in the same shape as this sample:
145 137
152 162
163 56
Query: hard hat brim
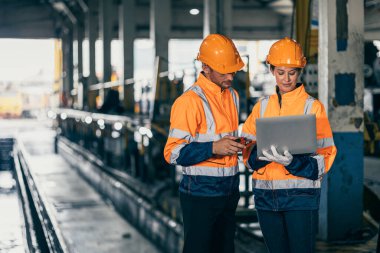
221 70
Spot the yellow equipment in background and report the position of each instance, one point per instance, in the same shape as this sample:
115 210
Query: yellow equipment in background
10 105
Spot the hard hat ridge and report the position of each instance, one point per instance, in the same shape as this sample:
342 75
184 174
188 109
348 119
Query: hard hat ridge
220 53
286 53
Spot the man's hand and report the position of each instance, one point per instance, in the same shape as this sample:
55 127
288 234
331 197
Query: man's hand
285 159
227 146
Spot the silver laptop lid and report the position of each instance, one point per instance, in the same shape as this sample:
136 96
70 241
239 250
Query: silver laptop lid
294 133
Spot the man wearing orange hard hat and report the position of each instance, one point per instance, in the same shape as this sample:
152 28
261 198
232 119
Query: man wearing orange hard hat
287 186
202 139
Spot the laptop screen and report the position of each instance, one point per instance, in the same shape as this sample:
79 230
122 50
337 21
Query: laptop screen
297 134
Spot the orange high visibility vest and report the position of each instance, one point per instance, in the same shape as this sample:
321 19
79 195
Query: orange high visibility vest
274 176
204 113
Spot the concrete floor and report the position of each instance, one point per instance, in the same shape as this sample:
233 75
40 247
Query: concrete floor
11 224
87 222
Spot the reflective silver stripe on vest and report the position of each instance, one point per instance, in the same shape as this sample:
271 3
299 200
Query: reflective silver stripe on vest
209 117
175 153
263 105
325 142
307 108
295 183
285 184
236 101
210 135
321 164
308 105
213 137
210 171
248 136
180 134
207 109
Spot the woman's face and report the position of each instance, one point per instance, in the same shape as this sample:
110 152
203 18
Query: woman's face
286 78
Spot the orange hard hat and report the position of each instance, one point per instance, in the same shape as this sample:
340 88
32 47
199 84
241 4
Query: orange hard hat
220 53
286 53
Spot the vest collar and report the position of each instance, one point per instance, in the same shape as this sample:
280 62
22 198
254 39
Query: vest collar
295 94
207 85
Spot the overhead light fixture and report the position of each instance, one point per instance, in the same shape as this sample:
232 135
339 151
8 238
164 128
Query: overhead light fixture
194 11
62 7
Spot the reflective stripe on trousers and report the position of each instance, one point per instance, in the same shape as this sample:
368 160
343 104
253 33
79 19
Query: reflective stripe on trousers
210 171
285 184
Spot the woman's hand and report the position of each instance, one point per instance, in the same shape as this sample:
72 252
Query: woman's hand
285 159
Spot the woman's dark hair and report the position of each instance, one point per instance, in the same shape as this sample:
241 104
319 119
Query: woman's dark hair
298 69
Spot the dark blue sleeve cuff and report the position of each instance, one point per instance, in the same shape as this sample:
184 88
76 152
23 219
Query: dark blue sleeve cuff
194 152
254 162
303 166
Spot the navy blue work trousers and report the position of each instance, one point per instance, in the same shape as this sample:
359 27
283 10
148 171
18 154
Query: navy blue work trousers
289 231
209 223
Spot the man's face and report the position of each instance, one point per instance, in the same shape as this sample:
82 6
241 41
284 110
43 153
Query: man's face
224 81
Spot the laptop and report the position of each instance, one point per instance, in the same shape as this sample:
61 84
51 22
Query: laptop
294 133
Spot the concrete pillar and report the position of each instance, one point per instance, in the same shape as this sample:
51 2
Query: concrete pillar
160 23
65 86
227 17
217 17
58 70
210 17
127 35
105 33
79 37
92 35
341 84
68 66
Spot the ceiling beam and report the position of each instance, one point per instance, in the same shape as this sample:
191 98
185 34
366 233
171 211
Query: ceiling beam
61 7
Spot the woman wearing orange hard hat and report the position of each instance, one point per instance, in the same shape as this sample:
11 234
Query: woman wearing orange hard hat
202 139
287 187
